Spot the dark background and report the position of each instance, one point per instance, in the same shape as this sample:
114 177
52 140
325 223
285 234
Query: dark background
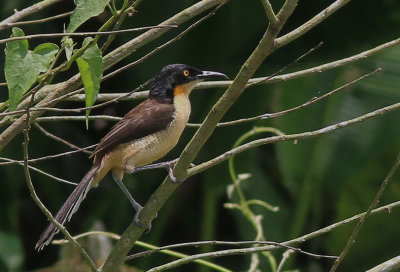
315 182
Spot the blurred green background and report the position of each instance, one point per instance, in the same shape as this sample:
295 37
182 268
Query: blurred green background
315 182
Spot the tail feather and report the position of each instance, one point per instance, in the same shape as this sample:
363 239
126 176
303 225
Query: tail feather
70 206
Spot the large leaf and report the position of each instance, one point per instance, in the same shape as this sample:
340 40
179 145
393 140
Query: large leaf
84 10
90 66
23 66
11 253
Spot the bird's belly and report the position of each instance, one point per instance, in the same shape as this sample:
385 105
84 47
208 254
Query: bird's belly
153 147
150 148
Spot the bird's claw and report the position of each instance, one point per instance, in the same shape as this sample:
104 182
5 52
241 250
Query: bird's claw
136 219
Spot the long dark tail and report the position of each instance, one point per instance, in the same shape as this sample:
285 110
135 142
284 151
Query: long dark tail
70 206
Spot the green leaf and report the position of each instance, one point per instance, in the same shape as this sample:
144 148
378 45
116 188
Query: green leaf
23 66
84 10
90 66
11 252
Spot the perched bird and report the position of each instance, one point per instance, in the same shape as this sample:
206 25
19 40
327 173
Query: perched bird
145 134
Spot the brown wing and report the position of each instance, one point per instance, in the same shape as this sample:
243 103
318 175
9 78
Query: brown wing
146 118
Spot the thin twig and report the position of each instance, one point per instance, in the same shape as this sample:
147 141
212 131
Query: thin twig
44 20
82 34
48 157
117 25
387 208
58 139
11 161
36 198
27 11
290 137
280 113
176 38
108 96
310 24
133 232
287 66
306 237
374 203
265 80
145 245
77 110
225 243
48 96
78 118
230 252
316 99
269 11
285 257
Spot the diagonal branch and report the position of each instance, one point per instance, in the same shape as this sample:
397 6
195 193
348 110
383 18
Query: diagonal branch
160 196
50 93
289 137
374 203
27 11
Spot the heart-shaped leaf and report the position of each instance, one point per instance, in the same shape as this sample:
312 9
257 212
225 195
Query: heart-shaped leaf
23 66
84 10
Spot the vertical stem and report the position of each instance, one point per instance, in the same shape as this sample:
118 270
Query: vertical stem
374 203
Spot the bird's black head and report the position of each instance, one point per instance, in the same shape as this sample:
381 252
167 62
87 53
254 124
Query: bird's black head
175 79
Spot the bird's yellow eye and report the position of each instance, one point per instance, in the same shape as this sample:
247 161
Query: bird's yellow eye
186 73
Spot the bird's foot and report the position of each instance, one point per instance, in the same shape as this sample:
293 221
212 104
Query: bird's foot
136 219
167 165
170 165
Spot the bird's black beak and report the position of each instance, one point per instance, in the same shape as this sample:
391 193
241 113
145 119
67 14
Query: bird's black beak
210 75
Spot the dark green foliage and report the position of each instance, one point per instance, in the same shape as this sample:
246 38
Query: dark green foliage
314 182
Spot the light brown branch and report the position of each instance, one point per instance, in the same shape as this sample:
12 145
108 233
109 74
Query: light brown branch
36 198
290 137
58 139
27 11
11 161
82 34
48 95
159 197
39 21
374 203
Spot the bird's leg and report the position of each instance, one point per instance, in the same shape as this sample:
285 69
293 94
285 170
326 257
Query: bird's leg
138 208
168 165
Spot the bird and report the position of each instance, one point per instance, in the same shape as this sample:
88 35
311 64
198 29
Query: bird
145 134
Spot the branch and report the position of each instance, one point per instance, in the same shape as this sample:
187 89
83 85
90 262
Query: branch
83 34
49 94
48 157
54 137
390 265
285 257
387 208
263 49
176 38
280 113
261 80
316 20
27 11
11 161
374 203
291 137
37 200
39 21
77 118
269 11
165 190
230 252
165 250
